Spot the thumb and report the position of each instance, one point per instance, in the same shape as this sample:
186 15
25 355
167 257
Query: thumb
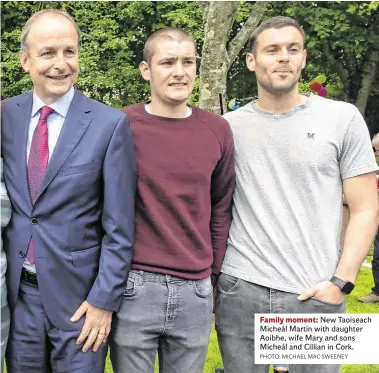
80 312
307 293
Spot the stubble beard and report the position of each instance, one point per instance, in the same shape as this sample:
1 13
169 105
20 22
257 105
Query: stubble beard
279 88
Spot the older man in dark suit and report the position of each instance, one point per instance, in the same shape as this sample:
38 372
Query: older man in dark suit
70 171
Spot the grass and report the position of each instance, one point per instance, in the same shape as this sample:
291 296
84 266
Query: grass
363 287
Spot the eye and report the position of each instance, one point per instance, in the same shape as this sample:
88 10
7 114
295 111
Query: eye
189 62
271 50
167 63
294 50
47 53
70 51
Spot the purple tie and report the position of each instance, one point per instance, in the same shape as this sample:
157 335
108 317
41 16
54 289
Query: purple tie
37 164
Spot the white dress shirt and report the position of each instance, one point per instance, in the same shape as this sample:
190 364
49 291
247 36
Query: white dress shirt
54 121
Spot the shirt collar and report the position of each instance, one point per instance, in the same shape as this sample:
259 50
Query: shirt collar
60 106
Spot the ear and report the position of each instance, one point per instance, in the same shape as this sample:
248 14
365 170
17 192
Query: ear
145 70
305 59
250 61
24 61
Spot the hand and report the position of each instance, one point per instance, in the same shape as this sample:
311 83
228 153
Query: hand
96 327
324 291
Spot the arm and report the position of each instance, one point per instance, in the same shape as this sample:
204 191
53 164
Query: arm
222 187
357 165
119 185
345 219
362 198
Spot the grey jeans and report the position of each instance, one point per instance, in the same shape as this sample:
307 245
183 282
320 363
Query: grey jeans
162 313
236 303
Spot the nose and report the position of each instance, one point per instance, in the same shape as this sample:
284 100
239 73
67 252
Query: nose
179 70
60 61
283 55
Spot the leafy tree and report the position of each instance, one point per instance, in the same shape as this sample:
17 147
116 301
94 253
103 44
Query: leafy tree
113 36
342 43
219 50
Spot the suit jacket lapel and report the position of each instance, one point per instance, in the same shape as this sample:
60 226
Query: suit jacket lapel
75 125
21 129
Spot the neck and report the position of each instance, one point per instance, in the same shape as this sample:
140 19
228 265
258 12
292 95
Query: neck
168 111
279 102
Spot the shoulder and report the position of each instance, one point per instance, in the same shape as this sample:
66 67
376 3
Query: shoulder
134 111
213 121
15 100
99 110
217 125
235 117
344 110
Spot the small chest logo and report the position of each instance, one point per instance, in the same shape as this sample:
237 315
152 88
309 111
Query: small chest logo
310 136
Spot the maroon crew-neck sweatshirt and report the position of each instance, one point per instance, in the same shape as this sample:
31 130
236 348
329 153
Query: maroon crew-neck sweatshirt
186 176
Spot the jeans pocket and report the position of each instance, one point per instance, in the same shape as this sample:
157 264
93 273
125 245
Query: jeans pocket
226 283
130 289
203 288
326 303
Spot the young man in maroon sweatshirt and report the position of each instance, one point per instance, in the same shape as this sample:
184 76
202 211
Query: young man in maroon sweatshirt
186 176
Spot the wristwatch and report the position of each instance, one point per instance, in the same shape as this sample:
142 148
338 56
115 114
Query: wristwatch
345 286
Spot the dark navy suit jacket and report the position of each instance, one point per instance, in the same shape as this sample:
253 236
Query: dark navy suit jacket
82 222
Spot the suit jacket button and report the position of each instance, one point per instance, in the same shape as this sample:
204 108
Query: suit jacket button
21 254
34 221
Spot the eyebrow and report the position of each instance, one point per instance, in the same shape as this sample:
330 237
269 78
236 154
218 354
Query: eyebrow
176 58
278 45
49 47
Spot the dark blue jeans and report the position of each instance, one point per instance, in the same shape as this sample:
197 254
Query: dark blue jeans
162 313
236 303
375 265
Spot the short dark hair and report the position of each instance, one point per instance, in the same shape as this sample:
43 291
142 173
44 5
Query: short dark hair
166 33
277 23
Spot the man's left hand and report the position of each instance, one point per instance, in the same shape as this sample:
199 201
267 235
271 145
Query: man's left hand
96 327
324 291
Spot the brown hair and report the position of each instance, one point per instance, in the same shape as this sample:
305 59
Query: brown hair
167 33
33 19
277 23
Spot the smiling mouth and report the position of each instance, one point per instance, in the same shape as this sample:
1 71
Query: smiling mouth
61 77
177 84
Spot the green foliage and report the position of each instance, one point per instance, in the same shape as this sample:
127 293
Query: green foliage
113 36
339 37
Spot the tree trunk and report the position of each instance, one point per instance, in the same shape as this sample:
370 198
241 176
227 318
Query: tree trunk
213 67
216 58
369 70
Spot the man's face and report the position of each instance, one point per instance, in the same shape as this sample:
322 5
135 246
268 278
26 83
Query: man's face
279 59
171 71
52 58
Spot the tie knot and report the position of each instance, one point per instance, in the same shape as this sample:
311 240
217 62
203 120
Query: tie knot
45 112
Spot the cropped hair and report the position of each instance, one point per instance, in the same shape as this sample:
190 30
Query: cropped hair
166 33
276 23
